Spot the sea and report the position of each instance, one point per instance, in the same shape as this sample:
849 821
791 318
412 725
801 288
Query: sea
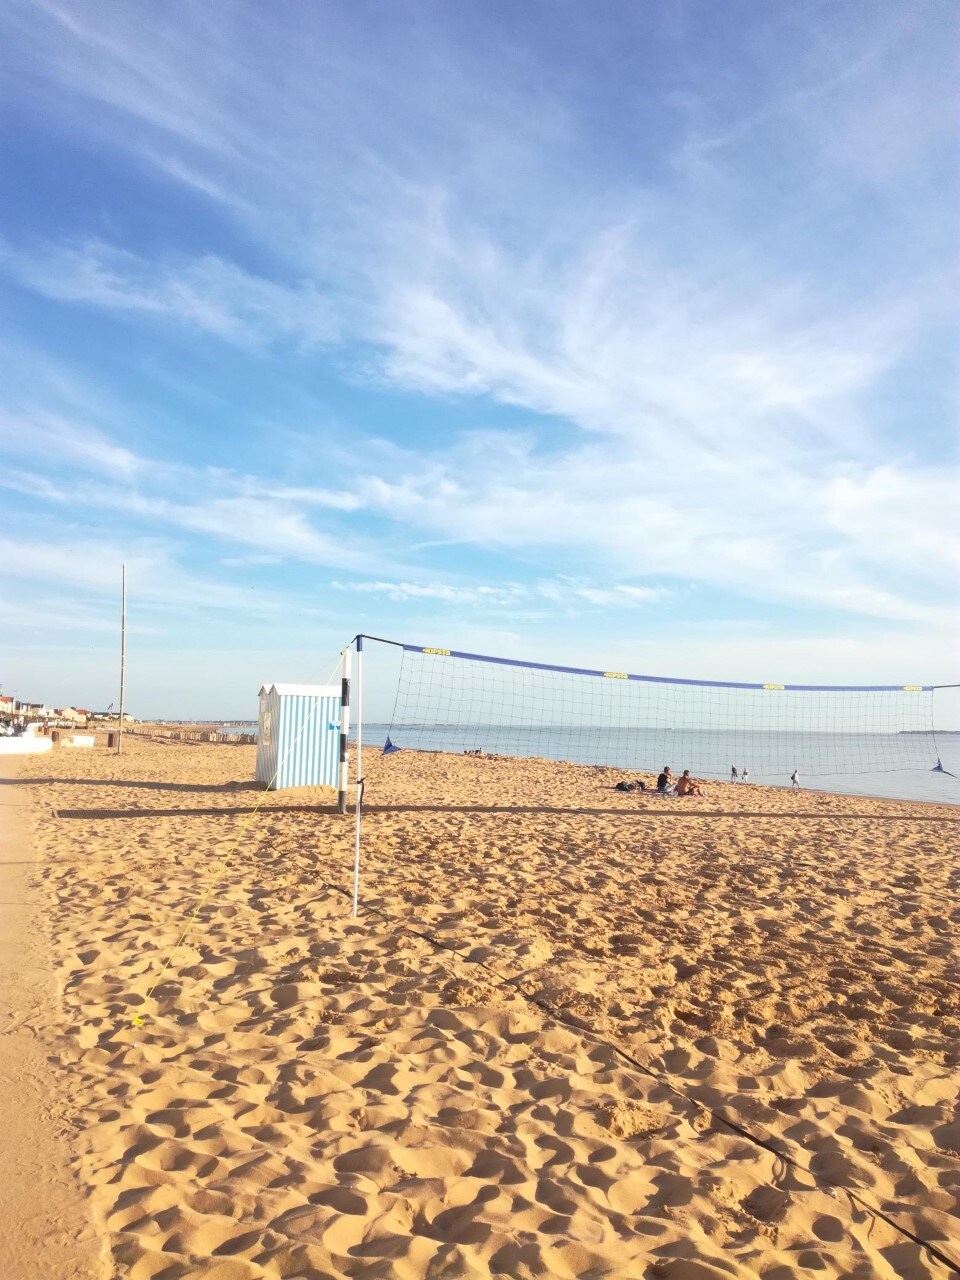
897 766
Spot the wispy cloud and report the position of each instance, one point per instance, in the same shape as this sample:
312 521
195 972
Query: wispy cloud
254 560
259 522
508 595
60 441
850 541
626 344
333 499
216 503
620 596
846 539
88 569
447 593
206 294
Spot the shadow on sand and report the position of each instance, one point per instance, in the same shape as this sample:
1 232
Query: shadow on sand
219 789
657 812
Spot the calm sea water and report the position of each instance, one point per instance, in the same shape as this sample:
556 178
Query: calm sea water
897 766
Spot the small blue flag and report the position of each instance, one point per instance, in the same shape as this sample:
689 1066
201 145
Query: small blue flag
389 748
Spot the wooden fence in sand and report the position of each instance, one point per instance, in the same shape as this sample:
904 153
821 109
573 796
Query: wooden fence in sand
193 735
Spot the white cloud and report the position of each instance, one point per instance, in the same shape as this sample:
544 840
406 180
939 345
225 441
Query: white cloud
620 596
905 517
508 595
227 506
334 499
619 340
252 561
32 486
447 593
88 569
273 525
207 293
60 440
874 541
878 540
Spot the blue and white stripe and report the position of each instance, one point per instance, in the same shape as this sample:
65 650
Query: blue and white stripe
298 743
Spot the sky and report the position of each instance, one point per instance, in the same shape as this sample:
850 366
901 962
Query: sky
620 335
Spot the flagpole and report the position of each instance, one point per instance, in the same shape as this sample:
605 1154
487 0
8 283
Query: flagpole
123 649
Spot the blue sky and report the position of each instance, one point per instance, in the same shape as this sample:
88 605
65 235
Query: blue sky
621 335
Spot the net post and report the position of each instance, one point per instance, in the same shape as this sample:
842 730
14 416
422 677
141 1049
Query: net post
356 836
123 650
344 729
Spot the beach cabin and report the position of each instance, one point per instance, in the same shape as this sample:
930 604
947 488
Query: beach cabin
298 737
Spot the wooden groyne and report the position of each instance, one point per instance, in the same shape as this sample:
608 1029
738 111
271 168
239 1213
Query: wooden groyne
193 735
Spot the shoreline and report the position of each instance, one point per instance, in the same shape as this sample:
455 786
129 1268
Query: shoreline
200 731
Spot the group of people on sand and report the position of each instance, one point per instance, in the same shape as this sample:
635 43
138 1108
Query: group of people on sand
667 785
744 775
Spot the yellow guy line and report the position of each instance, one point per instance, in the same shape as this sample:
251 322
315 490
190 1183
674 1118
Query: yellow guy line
137 1020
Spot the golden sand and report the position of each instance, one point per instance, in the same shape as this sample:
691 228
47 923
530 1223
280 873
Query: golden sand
518 1061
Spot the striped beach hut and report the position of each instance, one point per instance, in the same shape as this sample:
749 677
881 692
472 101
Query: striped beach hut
298 742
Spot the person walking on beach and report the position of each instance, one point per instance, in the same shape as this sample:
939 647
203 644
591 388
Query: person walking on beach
744 775
733 773
795 777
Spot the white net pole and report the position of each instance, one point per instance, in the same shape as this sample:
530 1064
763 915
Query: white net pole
344 731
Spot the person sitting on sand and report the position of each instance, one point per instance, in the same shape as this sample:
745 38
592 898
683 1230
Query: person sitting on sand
665 782
687 786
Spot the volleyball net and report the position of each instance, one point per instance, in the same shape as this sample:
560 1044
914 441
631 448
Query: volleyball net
453 701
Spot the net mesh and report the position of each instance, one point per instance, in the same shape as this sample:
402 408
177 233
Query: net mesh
467 703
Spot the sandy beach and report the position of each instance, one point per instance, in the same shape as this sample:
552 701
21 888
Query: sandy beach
574 1032
44 1225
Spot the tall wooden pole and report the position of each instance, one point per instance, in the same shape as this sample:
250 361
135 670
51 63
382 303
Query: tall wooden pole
123 648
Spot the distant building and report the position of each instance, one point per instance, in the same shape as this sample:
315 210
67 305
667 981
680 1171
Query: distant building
37 709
